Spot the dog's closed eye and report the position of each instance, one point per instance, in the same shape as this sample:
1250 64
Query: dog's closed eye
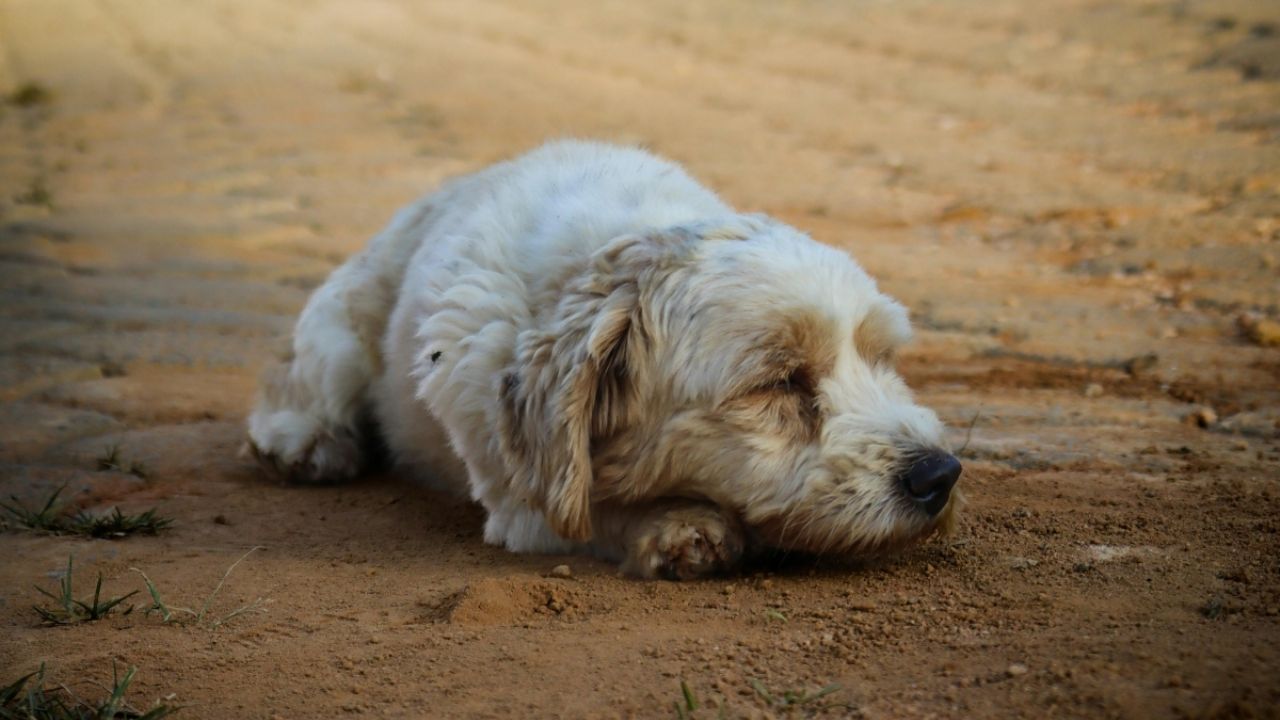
787 401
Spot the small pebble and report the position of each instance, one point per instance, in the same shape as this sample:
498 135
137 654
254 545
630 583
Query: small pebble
561 571
1016 669
1141 364
1265 333
1093 390
1202 417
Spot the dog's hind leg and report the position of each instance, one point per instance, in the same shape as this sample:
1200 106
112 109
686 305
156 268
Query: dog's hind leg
310 420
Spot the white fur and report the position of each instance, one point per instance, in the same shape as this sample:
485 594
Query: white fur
581 255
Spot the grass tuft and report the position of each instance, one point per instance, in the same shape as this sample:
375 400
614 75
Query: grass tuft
29 94
47 519
688 704
117 524
53 519
111 461
9 693
157 602
18 701
198 617
37 193
689 700
68 610
1214 609
797 698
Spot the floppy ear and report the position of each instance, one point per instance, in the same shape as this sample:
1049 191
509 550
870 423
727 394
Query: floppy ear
884 328
572 381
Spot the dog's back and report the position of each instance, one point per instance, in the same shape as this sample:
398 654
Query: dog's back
547 210
498 244
492 261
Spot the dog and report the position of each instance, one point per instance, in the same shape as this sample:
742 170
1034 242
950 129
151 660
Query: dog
611 360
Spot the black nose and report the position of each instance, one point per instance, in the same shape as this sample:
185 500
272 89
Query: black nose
929 480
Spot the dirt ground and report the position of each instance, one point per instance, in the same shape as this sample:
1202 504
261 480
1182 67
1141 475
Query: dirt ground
1079 201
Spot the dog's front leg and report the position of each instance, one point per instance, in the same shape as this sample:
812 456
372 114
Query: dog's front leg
676 539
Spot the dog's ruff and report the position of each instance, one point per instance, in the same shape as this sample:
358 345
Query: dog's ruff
611 360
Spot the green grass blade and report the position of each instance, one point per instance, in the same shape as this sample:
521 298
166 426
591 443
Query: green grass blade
209 600
11 691
256 604
689 701
68 601
97 593
833 687
761 690
109 605
48 616
46 519
53 499
119 686
157 603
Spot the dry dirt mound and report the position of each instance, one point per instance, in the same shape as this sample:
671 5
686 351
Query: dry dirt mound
504 602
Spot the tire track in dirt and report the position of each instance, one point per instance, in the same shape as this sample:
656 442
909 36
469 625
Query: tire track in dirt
1086 219
210 114
1103 206
914 81
779 125
1043 55
907 111
568 86
142 60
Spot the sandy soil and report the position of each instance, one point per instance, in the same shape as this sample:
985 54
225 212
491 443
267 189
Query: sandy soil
1077 202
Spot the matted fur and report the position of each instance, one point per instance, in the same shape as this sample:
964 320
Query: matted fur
611 360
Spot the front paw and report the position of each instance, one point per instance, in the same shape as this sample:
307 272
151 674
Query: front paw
311 458
686 543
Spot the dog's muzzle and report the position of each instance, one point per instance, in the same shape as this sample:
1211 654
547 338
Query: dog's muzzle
927 482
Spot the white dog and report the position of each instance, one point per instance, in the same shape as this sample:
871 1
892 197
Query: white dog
611 360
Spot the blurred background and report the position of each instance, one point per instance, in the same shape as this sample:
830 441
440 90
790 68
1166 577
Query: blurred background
1052 165
1079 201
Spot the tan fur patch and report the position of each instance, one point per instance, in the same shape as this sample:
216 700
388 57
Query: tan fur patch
877 336
780 396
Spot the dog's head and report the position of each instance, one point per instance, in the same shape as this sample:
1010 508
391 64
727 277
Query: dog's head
737 361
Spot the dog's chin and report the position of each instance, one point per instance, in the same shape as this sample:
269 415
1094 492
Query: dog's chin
947 521
819 534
